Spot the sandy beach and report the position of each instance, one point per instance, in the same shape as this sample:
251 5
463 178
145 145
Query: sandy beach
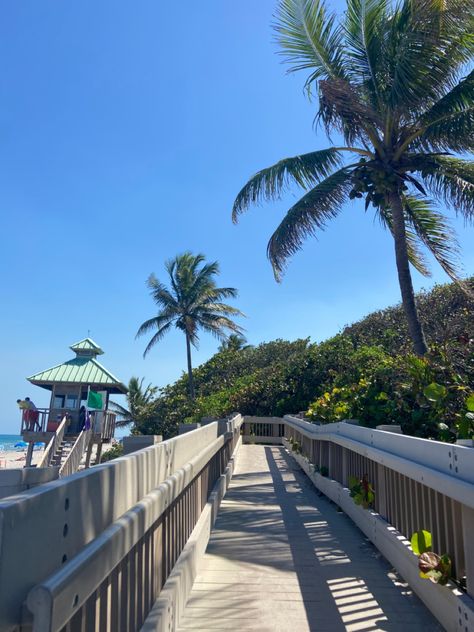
16 458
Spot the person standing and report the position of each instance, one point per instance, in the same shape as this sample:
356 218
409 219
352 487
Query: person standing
82 418
32 415
23 406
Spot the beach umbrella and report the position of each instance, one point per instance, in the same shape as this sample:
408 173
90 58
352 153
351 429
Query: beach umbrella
21 444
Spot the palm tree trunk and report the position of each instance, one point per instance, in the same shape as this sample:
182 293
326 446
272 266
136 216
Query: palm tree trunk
404 275
190 368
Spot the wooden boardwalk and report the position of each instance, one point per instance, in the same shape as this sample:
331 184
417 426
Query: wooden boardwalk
281 558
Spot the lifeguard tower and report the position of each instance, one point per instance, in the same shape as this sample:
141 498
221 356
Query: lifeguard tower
68 430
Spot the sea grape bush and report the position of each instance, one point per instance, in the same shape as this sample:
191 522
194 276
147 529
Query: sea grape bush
436 568
366 372
361 491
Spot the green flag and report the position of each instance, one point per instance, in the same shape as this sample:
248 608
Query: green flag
94 400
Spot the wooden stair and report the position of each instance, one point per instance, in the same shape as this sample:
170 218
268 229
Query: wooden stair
63 450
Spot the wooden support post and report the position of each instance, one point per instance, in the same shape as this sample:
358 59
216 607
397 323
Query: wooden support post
89 451
99 452
29 454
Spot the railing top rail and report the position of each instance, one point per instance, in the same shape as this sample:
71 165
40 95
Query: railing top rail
263 420
445 467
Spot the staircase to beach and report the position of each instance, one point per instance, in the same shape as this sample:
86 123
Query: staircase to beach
69 452
64 449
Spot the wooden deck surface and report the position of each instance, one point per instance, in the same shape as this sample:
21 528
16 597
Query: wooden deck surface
282 558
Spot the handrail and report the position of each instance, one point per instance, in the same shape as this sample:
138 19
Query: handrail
39 425
419 484
54 443
444 467
73 459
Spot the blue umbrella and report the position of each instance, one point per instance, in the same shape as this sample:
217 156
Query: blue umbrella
21 444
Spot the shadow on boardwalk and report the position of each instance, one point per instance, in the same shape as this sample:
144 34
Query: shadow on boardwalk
282 558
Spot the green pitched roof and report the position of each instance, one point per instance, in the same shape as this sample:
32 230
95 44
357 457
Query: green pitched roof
87 345
84 369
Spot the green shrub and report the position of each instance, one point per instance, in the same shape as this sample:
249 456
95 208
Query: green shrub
367 373
114 452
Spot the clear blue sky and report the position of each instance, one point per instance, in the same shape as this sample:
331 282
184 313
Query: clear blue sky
126 130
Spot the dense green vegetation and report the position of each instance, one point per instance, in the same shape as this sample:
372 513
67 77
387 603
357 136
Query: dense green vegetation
366 372
393 84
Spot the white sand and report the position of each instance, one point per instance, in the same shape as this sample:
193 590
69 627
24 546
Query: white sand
17 458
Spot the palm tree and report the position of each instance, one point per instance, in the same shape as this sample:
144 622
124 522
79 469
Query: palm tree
235 342
389 80
192 302
140 403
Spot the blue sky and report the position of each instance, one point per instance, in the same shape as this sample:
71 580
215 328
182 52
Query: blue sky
126 130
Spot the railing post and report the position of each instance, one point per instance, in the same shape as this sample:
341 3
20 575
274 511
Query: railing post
345 468
468 540
381 491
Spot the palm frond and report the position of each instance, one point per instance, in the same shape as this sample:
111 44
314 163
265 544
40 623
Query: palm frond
224 292
161 295
449 123
309 39
428 43
304 170
217 326
164 317
364 27
452 180
162 331
308 216
218 309
434 231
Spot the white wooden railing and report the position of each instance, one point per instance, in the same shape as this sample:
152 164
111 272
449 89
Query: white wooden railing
38 424
53 444
95 551
73 459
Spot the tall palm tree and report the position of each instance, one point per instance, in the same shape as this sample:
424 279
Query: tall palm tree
191 303
392 81
139 406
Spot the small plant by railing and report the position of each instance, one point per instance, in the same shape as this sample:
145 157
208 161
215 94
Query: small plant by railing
251 433
295 446
361 491
324 470
436 568
465 425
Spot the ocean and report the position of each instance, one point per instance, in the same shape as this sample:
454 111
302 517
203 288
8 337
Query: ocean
7 442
